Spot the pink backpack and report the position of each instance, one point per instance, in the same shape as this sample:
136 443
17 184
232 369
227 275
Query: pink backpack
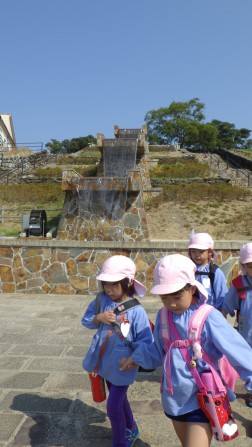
212 396
228 373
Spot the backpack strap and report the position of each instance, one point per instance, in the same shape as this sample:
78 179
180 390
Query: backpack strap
122 307
172 339
211 274
119 310
197 321
98 302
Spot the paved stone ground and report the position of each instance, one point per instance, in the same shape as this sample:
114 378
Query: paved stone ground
45 397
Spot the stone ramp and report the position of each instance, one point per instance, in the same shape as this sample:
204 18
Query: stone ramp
45 397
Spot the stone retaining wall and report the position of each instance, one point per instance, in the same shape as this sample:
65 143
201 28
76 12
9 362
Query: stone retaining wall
37 265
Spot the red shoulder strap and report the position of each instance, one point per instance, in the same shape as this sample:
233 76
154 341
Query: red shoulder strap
238 284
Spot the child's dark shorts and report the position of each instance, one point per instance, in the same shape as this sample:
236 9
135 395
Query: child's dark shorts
196 416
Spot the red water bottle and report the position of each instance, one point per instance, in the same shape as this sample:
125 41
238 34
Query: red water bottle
97 387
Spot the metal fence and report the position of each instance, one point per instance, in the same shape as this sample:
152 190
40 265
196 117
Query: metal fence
34 147
11 215
230 163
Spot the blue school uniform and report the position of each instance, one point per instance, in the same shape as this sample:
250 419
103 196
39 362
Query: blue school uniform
232 302
116 348
218 338
218 291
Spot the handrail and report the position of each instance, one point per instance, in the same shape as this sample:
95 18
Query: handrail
33 146
30 160
239 169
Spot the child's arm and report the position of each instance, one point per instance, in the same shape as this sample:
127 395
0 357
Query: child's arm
91 320
148 355
230 302
218 333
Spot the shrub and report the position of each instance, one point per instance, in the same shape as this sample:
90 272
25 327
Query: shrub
37 194
192 193
180 169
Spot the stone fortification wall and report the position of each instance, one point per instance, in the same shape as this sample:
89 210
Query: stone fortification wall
36 265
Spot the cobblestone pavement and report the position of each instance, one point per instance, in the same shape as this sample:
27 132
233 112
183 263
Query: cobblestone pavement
45 397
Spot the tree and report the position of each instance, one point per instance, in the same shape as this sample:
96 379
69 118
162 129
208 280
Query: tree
54 147
70 146
170 124
229 137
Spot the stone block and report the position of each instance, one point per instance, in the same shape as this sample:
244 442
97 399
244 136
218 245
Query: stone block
56 364
22 380
8 424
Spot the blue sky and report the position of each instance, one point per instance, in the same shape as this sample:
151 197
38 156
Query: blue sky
71 68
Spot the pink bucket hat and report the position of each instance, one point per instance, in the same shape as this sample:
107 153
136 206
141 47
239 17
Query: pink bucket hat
201 241
119 267
172 273
246 253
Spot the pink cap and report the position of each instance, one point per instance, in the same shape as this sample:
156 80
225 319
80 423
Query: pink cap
246 253
201 241
119 267
172 273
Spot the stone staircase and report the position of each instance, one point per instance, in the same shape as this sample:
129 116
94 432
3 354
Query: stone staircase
237 176
15 169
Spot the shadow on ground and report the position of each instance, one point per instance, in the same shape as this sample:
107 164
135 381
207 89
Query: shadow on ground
61 422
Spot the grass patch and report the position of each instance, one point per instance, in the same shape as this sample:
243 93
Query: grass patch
37 194
163 148
56 172
19 200
183 168
193 193
86 158
15 231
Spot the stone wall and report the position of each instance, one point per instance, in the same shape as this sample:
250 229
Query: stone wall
37 265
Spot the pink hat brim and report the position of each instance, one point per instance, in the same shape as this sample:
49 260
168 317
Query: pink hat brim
166 289
110 277
139 287
199 247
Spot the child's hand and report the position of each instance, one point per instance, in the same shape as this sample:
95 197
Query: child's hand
126 364
107 317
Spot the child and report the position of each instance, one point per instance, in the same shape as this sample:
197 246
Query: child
118 283
182 295
239 297
209 274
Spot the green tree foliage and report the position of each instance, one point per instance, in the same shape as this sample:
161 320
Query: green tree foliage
229 137
170 124
70 146
183 123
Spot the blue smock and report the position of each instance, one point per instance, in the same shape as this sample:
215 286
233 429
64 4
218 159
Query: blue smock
218 291
218 338
232 302
140 332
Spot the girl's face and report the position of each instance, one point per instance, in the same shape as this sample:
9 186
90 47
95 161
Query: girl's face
200 257
179 301
114 291
248 268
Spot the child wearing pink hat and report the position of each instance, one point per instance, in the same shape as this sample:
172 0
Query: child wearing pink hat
183 296
117 331
201 252
239 297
